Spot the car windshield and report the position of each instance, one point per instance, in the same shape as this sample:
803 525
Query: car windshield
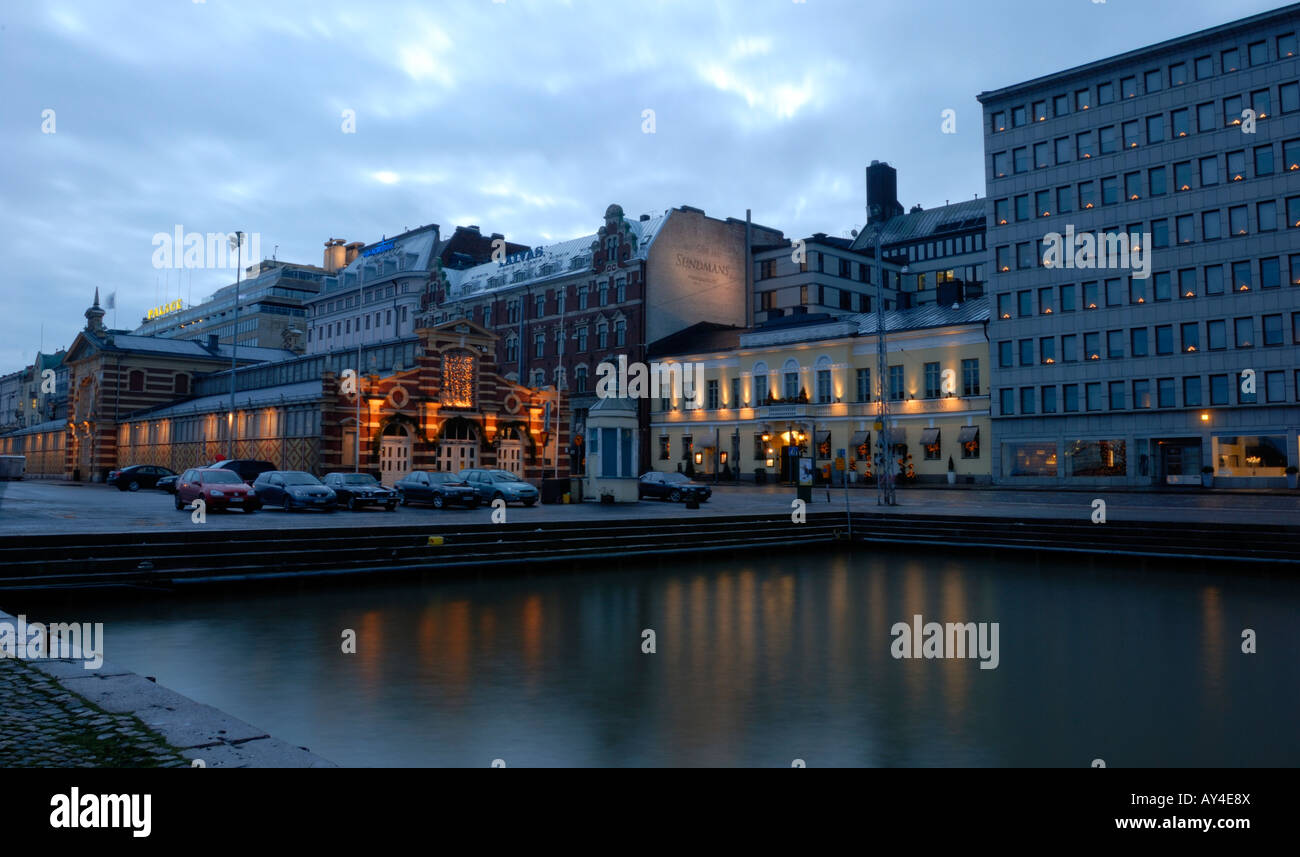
357 479
503 476
299 478
675 477
219 476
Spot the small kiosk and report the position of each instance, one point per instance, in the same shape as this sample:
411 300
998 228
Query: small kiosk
613 444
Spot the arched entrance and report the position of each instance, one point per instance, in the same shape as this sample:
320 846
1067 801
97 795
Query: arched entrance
458 446
394 453
510 451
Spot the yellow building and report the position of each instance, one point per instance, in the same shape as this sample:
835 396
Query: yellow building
812 383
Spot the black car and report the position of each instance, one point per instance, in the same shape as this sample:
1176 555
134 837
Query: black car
247 469
358 490
138 476
671 486
440 489
167 483
294 490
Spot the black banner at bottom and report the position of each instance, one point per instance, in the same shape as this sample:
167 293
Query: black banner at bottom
129 808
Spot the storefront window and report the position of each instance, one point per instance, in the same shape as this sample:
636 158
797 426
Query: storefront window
1096 458
1245 455
1029 459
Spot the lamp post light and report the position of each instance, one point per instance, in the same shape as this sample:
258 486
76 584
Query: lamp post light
238 241
356 436
885 478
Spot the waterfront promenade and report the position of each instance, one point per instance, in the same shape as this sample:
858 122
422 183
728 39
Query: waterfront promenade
35 507
55 713
44 725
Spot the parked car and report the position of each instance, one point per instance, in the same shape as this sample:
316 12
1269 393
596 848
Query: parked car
358 490
219 489
294 490
137 476
671 486
167 483
440 489
500 484
247 468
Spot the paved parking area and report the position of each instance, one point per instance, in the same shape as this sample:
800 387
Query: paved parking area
50 507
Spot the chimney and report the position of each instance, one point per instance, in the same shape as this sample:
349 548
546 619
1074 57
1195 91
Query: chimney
352 251
882 192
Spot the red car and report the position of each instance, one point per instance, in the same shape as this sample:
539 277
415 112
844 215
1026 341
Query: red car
219 489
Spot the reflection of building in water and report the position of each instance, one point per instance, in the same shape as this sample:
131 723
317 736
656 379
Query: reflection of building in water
1096 458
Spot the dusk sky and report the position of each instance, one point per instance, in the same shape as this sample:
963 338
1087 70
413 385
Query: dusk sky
524 117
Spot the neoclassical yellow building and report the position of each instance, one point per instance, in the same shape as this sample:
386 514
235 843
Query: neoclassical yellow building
813 384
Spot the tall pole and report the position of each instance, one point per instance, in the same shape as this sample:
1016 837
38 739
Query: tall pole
562 345
234 342
885 478
356 439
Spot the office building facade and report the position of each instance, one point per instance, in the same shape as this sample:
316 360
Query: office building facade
1144 232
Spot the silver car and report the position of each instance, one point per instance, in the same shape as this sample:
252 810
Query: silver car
501 485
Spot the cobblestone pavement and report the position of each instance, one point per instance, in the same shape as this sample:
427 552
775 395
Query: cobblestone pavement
44 726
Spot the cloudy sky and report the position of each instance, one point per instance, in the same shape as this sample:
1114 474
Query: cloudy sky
526 117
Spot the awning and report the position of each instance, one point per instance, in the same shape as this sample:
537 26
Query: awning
968 434
860 438
898 435
823 437
929 436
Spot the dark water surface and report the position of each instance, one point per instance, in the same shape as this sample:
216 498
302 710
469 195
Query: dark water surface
760 660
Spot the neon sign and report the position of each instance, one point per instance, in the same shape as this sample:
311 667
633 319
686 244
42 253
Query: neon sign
159 311
381 247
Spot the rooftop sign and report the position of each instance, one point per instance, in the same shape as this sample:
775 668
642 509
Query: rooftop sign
381 247
527 255
165 309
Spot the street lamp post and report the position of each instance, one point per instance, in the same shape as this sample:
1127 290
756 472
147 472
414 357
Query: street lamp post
234 342
885 478
356 436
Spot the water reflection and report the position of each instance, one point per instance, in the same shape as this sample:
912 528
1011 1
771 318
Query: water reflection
759 661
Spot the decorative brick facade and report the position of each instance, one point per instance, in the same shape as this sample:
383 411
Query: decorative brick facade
127 408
